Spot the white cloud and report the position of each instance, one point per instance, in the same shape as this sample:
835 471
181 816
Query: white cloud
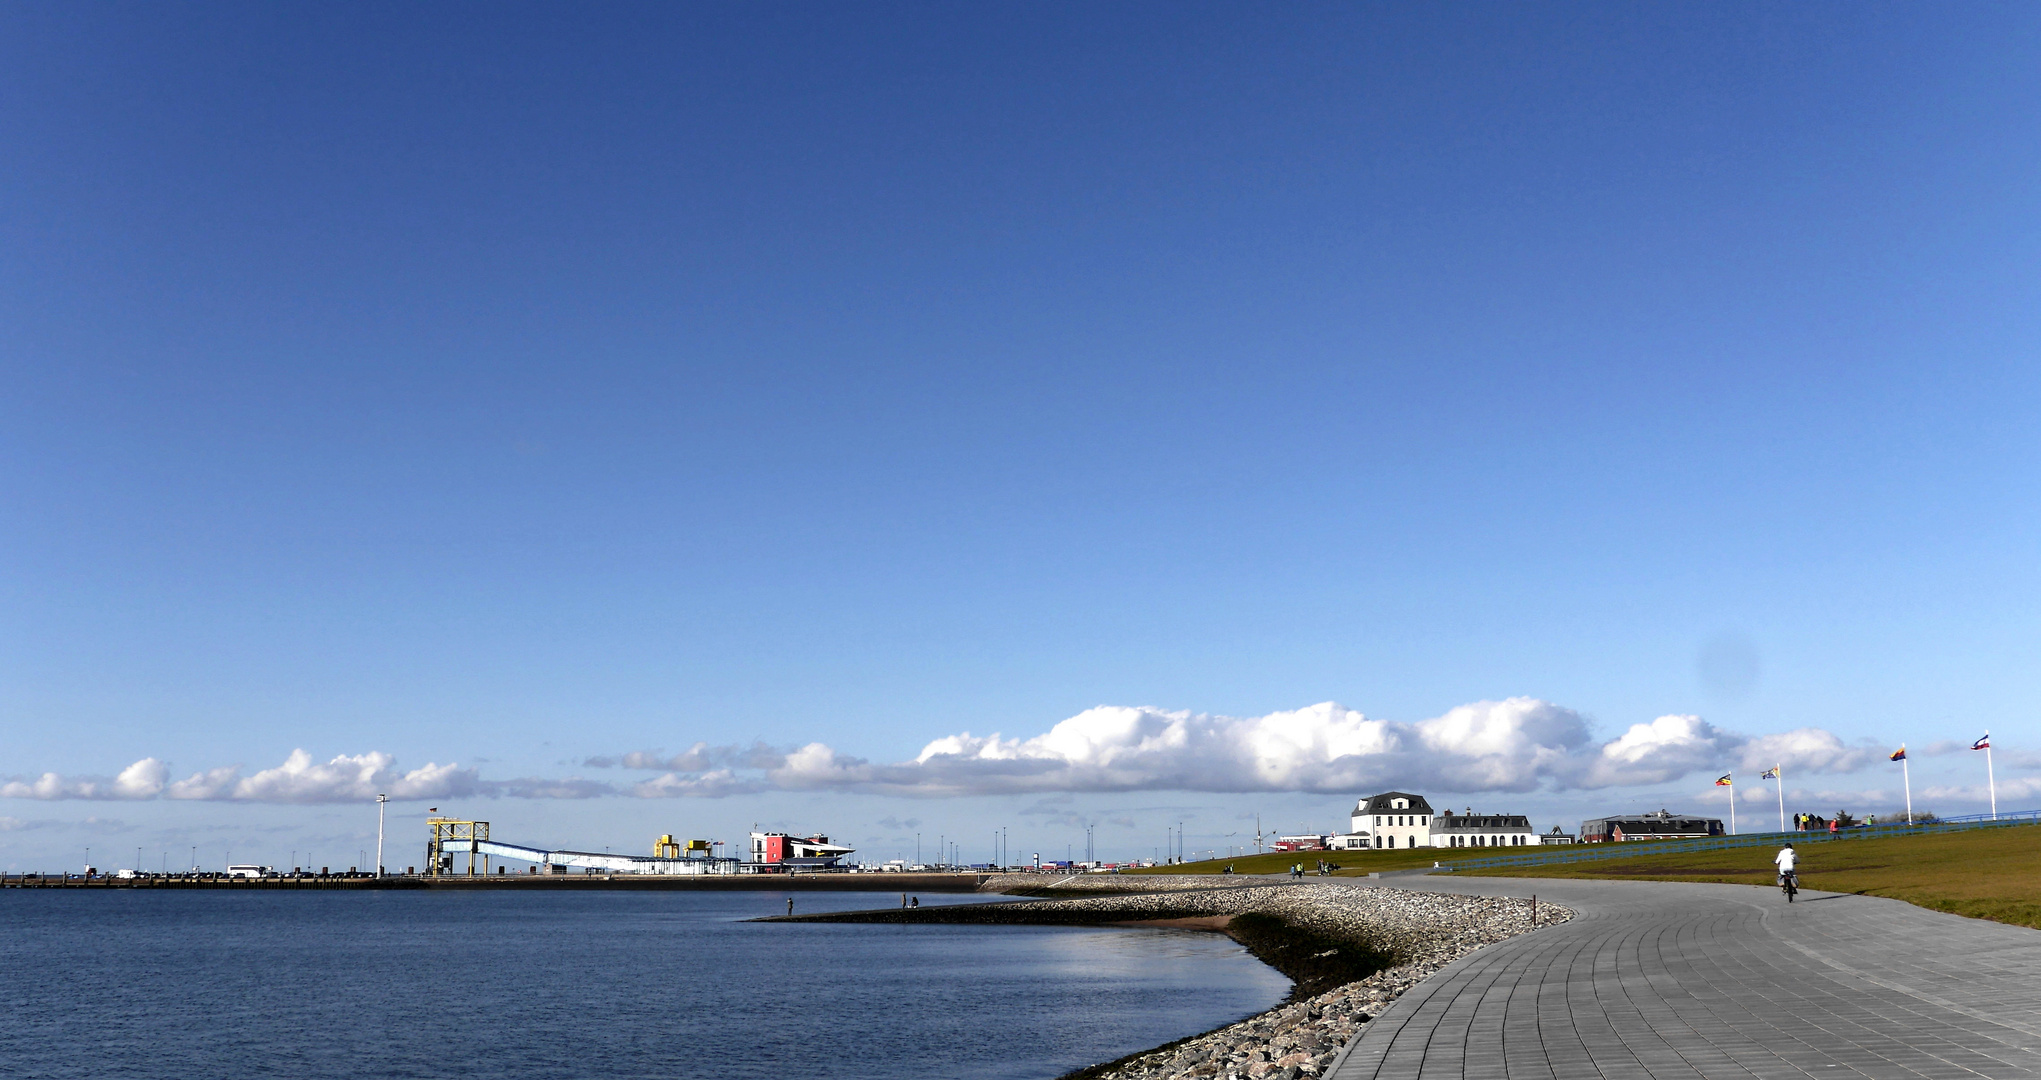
2023 788
714 784
1514 745
1805 750
346 778
211 784
142 780
1519 744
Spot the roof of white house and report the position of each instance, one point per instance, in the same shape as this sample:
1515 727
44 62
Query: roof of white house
1451 822
1385 804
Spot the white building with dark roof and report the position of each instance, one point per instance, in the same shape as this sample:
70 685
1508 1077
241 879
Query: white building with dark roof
1450 830
1393 819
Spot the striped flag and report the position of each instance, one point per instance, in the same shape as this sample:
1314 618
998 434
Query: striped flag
1899 754
1770 774
1982 744
1724 782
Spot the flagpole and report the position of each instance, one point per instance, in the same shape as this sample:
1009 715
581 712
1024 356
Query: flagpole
1779 777
1989 778
1907 775
1732 804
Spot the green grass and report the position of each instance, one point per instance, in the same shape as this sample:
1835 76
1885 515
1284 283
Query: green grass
1350 863
1983 873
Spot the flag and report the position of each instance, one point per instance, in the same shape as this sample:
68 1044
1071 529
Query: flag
1769 774
1982 744
1724 782
1899 754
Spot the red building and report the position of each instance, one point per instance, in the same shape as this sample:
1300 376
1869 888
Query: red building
786 851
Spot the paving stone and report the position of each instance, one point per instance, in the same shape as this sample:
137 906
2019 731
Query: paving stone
1664 980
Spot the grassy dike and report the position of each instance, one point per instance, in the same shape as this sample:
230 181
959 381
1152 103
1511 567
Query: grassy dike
1983 873
1350 863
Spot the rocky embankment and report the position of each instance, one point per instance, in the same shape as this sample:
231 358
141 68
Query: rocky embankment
1078 884
1350 949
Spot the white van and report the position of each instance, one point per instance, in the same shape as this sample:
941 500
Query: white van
249 870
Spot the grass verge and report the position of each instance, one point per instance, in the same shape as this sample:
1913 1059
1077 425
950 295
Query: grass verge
1984 873
1350 863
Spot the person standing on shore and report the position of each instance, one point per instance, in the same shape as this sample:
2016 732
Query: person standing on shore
790 905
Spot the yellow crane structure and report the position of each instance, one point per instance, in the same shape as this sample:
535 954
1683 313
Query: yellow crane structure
451 836
666 847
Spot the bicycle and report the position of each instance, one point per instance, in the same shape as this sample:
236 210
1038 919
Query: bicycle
1789 883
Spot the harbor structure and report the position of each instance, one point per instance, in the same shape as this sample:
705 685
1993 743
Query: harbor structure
784 851
453 839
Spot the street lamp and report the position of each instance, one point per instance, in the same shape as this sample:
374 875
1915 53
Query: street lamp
380 800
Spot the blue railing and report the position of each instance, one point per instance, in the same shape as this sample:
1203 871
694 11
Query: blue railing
1629 849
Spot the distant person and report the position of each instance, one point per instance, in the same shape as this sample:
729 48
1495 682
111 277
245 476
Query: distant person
1788 861
1834 825
790 905
914 901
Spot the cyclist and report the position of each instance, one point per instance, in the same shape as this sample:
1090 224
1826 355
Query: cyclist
1789 880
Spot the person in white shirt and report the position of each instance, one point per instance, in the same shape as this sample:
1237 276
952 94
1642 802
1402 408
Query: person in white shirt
1786 860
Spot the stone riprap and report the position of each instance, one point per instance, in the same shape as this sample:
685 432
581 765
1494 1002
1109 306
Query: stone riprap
1297 1040
1058 884
1420 932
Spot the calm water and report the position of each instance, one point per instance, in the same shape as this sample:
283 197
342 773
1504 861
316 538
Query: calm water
612 984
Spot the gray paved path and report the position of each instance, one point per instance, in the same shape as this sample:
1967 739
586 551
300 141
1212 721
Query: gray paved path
1716 982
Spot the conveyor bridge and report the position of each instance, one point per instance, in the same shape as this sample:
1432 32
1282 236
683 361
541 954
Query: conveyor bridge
453 838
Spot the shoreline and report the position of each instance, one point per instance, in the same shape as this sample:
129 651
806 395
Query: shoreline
1348 949
879 883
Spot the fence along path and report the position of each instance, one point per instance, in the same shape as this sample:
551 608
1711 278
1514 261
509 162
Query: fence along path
1717 982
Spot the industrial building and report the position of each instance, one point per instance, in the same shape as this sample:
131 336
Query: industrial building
456 839
1655 825
778 849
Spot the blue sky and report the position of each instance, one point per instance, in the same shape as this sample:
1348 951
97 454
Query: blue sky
510 387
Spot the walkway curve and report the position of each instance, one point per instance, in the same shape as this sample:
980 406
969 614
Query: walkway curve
1663 980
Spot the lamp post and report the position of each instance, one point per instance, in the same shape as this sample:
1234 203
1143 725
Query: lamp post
380 801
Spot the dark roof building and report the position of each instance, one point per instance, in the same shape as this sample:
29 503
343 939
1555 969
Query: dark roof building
1655 825
1394 802
1481 830
1450 822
